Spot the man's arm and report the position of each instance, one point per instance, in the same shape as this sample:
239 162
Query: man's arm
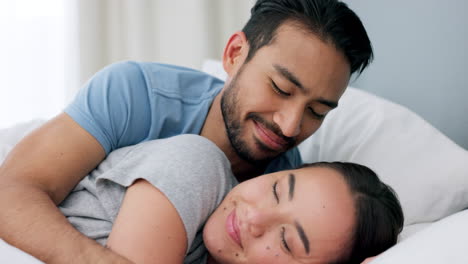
36 176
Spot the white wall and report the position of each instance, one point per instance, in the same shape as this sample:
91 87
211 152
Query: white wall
420 58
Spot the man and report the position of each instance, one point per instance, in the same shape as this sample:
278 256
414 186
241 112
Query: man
286 69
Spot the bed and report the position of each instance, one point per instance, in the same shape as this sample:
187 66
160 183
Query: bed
428 171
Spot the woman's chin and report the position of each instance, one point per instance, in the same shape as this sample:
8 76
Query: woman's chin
214 243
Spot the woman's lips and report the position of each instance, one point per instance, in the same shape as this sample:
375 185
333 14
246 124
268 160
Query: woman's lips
232 228
269 138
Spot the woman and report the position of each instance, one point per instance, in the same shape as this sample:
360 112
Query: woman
150 203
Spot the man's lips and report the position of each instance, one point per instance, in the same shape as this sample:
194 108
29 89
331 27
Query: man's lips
232 228
268 137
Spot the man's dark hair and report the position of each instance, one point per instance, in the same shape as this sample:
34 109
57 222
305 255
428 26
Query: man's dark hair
379 216
330 20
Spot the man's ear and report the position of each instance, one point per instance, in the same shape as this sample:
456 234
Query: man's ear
235 53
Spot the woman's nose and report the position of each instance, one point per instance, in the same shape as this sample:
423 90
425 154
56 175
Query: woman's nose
259 220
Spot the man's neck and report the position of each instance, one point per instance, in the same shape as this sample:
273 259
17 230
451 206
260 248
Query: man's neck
215 130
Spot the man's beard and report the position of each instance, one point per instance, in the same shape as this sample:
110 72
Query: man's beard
229 107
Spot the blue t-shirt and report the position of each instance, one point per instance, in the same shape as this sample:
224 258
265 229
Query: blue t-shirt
130 102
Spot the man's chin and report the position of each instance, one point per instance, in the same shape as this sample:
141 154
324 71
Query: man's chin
268 151
256 152
260 156
271 152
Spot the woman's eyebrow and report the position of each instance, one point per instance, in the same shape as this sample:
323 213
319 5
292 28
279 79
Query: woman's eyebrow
292 184
303 237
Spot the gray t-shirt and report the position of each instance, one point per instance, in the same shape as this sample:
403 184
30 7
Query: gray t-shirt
190 170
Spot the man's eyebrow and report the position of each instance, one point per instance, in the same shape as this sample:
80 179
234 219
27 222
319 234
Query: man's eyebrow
330 104
303 237
292 78
289 75
292 184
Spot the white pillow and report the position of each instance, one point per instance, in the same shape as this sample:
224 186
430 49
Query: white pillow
442 242
427 170
12 135
10 254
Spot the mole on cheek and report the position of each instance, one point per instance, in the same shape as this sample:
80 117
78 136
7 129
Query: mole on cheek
237 254
219 251
268 248
224 208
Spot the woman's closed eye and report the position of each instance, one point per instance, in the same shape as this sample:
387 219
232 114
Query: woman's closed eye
283 229
283 240
275 191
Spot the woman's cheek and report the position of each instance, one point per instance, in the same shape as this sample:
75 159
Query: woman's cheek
267 254
257 191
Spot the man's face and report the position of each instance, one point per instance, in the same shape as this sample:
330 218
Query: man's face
281 96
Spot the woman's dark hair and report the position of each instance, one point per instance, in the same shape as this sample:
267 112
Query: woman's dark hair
330 20
379 216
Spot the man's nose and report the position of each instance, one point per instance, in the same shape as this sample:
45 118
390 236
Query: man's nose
289 119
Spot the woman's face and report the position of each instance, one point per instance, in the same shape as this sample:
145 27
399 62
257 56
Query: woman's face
298 216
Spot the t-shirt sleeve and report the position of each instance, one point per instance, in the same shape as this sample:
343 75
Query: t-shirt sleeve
191 171
114 106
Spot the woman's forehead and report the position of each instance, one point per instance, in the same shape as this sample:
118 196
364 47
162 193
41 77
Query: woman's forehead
322 194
